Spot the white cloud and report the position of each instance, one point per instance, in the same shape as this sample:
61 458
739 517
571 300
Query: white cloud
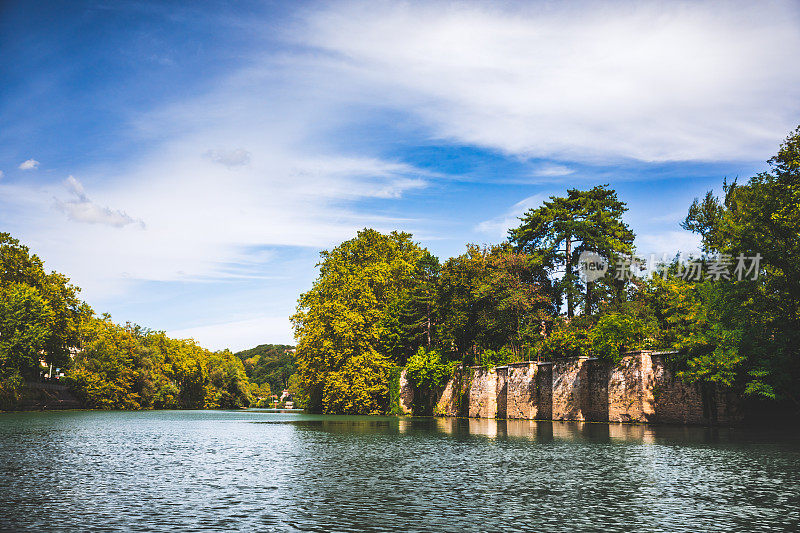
82 209
499 225
199 220
551 170
240 334
30 164
669 243
574 80
230 158
1 174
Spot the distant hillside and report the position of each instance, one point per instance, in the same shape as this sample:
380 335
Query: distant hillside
271 364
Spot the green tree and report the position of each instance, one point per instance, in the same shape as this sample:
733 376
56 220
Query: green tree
567 338
557 232
269 364
418 312
104 375
228 385
762 321
519 306
25 322
462 304
18 266
616 333
427 370
491 298
129 367
348 323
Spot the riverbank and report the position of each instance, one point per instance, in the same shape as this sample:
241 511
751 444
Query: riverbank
45 396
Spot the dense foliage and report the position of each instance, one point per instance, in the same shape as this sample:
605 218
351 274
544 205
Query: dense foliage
348 325
382 301
44 325
427 370
269 365
127 367
756 329
40 318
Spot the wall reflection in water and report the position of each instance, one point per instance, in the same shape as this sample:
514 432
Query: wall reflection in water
536 430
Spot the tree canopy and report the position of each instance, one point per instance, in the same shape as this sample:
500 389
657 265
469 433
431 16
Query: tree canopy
44 325
558 231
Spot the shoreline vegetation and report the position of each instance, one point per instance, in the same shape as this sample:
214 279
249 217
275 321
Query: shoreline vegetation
382 302
47 334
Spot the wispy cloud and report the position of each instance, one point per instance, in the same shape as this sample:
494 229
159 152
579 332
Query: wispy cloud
82 209
498 226
30 164
576 80
230 158
551 170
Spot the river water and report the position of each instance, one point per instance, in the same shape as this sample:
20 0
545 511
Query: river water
265 471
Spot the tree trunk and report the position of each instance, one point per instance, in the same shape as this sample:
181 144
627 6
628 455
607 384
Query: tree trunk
588 308
568 274
429 324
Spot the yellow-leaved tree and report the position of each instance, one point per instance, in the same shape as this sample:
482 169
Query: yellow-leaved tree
344 326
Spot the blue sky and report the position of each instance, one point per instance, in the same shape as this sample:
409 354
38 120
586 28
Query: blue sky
184 163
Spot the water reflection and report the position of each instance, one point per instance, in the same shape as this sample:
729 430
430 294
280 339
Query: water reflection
537 430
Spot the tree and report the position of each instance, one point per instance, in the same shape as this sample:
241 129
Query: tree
18 266
269 364
25 321
557 232
614 334
462 304
347 326
761 217
490 299
418 313
520 306
129 367
426 370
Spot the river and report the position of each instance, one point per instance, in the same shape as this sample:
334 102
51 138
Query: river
265 471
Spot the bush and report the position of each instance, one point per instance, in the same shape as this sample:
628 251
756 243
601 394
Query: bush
10 391
490 358
426 370
614 334
567 341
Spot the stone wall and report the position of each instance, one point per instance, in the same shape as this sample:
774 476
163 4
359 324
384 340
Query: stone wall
640 388
625 389
521 390
569 387
483 393
544 391
596 399
680 402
